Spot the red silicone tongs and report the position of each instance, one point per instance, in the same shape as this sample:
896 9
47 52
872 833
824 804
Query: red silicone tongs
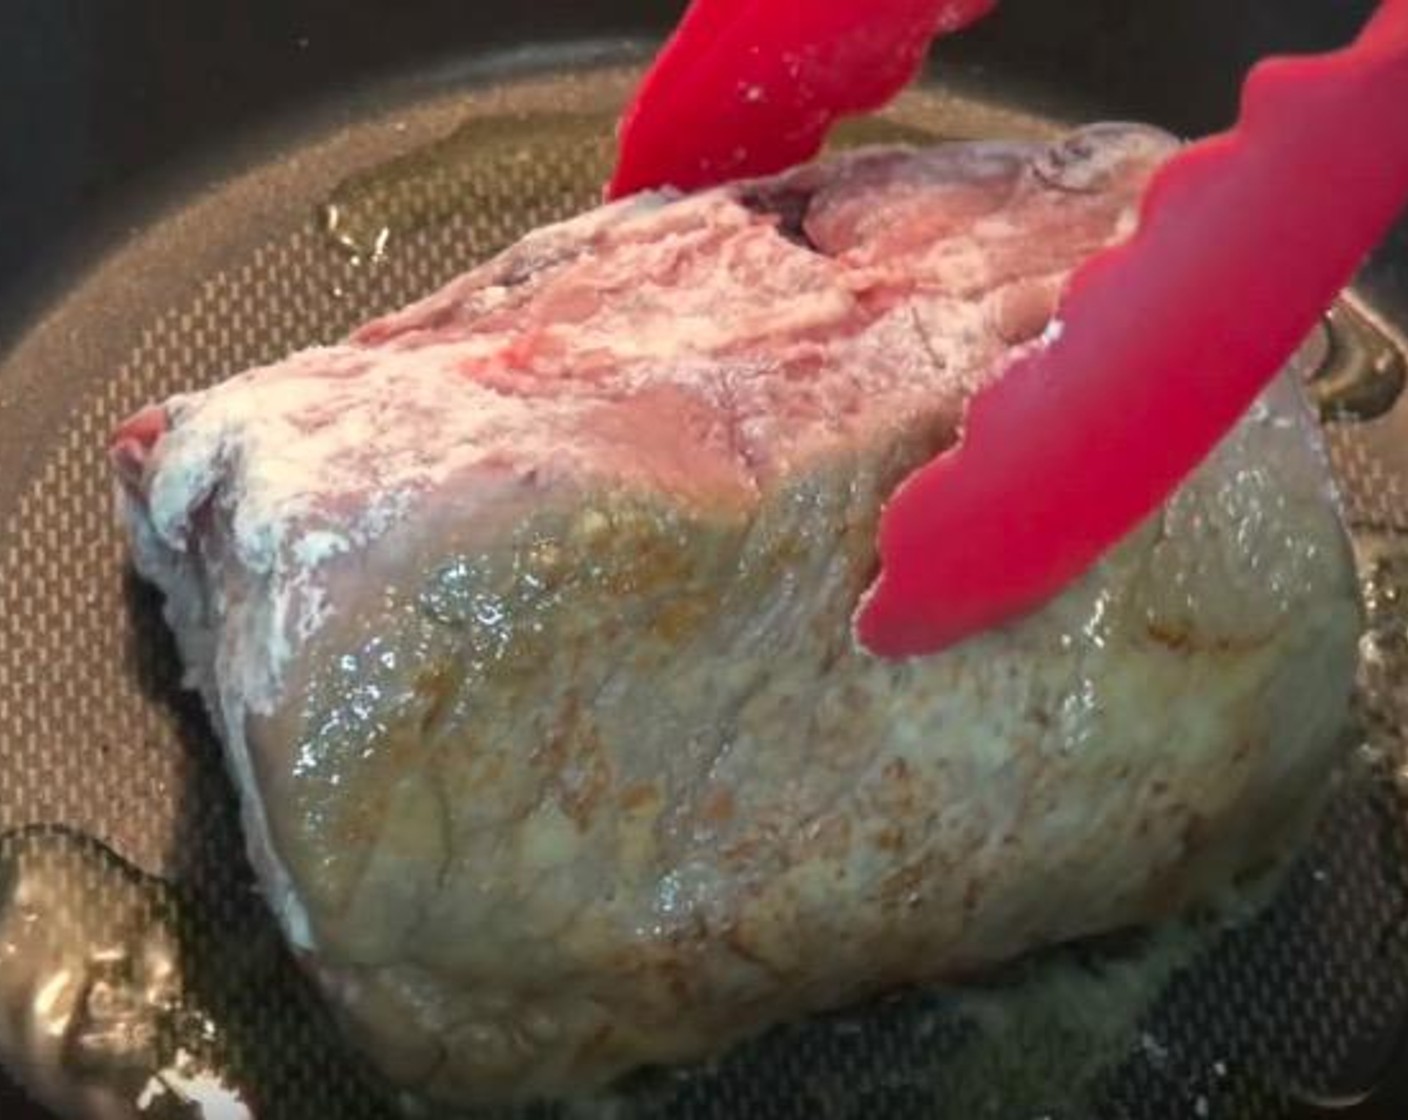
750 87
1165 341
1244 241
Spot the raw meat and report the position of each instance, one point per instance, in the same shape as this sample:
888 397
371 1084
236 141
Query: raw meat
525 615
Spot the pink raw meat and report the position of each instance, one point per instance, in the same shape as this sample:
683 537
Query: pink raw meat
525 615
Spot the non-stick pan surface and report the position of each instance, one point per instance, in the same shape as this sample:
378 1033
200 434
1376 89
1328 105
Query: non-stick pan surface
121 864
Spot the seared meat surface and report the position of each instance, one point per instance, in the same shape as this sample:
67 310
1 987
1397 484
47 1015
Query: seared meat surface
525 615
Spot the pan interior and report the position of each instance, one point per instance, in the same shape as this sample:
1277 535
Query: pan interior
119 826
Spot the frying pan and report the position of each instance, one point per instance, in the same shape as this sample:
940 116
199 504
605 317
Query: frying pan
186 189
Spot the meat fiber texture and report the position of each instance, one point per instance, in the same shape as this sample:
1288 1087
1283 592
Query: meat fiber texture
525 615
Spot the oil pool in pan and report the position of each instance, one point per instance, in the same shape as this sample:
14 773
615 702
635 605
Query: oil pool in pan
138 969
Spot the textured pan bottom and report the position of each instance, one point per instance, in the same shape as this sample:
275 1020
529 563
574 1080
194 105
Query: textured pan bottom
121 864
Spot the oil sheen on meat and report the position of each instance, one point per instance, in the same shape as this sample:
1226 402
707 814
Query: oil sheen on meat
526 617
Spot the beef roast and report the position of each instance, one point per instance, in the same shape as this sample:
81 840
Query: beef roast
525 616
